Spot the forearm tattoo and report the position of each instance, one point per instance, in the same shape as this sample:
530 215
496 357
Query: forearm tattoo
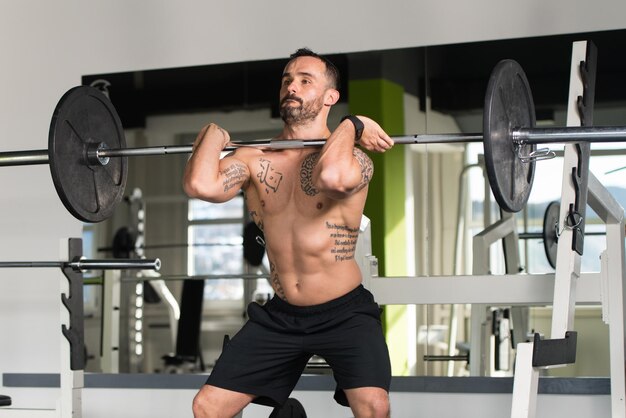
306 174
367 167
276 282
345 238
234 176
269 177
306 171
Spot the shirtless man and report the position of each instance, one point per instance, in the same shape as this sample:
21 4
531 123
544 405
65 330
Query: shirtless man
309 203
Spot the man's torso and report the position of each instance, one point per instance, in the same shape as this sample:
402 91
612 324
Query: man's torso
310 238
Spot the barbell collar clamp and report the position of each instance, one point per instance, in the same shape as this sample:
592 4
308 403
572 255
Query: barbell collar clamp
94 155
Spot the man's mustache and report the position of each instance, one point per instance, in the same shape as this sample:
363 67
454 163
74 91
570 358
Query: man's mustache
291 97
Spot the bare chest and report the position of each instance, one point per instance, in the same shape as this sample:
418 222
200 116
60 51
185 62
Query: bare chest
285 181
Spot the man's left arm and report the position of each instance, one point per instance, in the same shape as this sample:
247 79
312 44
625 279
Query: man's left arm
342 169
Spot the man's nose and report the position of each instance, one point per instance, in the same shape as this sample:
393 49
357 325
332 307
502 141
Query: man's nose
292 87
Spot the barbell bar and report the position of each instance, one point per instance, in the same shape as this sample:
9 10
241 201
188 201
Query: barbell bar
520 136
182 277
102 155
82 265
87 151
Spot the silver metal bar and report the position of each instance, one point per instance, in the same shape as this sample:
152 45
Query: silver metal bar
519 135
34 264
539 235
116 264
85 264
569 134
277 144
430 357
24 157
246 276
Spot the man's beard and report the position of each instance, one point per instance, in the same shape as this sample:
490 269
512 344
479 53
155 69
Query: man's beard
300 115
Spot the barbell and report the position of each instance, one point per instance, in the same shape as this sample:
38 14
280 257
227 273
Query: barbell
87 150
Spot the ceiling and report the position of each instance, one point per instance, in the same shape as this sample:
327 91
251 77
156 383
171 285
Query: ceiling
457 75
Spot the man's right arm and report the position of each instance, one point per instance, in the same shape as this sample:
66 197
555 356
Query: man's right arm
208 177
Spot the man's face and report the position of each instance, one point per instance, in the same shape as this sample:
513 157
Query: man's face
302 91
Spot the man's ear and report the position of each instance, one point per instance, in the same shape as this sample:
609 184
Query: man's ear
332 97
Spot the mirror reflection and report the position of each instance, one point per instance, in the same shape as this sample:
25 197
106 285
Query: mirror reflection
428 205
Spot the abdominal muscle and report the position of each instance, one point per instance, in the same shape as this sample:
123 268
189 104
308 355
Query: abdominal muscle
311 261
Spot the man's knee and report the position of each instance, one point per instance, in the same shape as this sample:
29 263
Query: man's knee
213 402
369 402
378 406
202 405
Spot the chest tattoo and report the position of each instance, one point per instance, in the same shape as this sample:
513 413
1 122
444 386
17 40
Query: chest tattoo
269 177
306 174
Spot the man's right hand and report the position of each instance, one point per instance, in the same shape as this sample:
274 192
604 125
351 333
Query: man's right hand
214 134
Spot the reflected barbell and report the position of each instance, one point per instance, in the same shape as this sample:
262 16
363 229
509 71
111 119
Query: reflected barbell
550 232
182 277
87 150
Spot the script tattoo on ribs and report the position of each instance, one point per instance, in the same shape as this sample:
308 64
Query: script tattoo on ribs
234 175
276 282
345 239
306 174
269 177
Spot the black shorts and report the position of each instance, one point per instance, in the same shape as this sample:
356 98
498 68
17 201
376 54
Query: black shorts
267 356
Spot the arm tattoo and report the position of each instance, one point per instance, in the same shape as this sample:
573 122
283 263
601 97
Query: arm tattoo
306 171
234 176
345 241
367 167
306 174
268 176
276 282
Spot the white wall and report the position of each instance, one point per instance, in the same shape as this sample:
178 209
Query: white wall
46 46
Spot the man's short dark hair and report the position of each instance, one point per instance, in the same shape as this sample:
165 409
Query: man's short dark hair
332 72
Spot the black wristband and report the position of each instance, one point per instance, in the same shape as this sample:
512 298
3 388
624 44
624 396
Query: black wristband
358 126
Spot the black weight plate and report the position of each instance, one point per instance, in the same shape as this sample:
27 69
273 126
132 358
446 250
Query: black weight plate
508 105
82 117
550 234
